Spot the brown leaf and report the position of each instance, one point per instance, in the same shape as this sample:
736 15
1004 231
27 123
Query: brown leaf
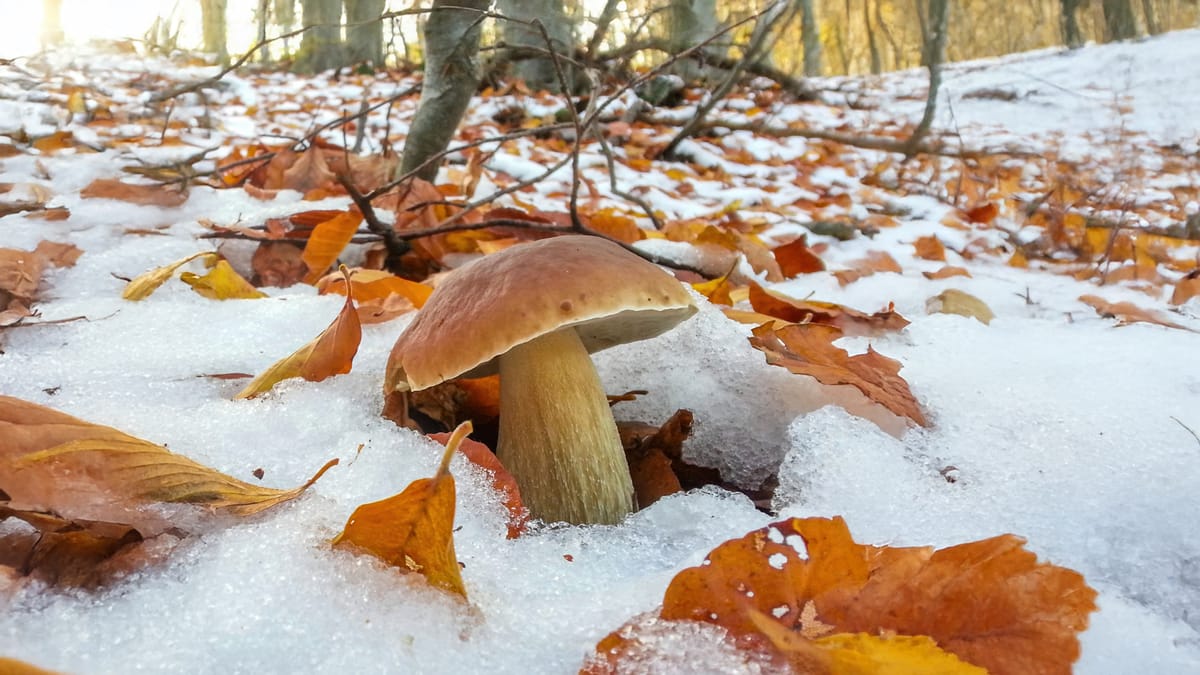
414 530
309 173
796 258
278 263
930 248
482 456
144 195
946 272
1186 288
1126 313
873 262
51 462
848 320
983 214
327 241
330 353
808 349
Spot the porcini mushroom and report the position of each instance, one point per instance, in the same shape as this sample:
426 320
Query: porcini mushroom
534 313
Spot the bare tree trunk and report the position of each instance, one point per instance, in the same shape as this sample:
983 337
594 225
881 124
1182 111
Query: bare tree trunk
364 31
691 23
1071 35
537 71
263 15
1152 24
872 47
284 12
451 76
602 23
935 55
321 47
1120 23
810 35
52 32
923 24
213 18
897 51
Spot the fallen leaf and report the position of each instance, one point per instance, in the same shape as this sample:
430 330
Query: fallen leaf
983 214
849 321
482 456
1186 288
1126 313
414 530
327 241
954 301
946 272
330 353
309 172
808 349
53 463
278 263
796 257
376 285
146 283
14 667
142 194
872 263
222 283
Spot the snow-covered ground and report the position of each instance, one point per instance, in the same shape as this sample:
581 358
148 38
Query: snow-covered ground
1060 426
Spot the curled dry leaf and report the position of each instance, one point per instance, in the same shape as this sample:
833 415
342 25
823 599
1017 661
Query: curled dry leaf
376 285
143 194
327 241
482 456
808 349
849 321
330 353
53 463
796 258
21 273
222 282
414 530
146 283
954 301
1127 312
309 173
946 272
805 593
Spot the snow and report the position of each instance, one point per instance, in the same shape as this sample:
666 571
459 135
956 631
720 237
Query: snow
1052 423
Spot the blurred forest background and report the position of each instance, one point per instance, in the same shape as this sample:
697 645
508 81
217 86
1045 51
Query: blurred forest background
806 37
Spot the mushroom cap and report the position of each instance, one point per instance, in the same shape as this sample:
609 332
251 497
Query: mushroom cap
607 294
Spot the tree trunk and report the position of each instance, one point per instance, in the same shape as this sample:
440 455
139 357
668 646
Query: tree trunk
1152 25
810 35
451 76
538 71
602 23
364 31
52 32
1119 20
284 12
872 47
692 22
212 14
321 46
1071 35
923 24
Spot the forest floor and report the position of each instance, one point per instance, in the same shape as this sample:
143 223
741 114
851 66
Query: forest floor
1070 419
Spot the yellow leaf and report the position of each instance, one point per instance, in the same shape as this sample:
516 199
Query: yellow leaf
145 284
51 462
863 654
414 530
330 353
954 301
376 285
326 242
222 283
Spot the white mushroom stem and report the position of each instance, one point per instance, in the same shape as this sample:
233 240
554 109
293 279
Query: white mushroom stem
557 434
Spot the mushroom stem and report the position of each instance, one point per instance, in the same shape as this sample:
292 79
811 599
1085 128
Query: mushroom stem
557 434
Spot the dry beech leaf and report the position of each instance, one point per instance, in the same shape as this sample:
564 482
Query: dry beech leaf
1126 312
989 602
946 272
849 321
376 285
51 462
278 263
1186 288
414 530
327 241
954 301
145 195
146 283
983 214
310 172
808 349
717 290
504 483
330 353
930 248
872 263
797 258
222 282
14 667
655 458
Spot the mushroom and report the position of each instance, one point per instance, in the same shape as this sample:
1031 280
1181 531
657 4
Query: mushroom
534 313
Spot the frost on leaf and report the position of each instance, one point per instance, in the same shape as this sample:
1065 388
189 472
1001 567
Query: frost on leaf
984 606
330 353
414 530
808 349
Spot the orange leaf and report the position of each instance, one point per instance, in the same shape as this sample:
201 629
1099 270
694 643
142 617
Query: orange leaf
330 353
376 285
946 272
797 258
1126 312
309 173
414 530
808 349
850 321
145 195
873 262
983 214
15 667
930 248
482 456
278 263
1186 288
326 242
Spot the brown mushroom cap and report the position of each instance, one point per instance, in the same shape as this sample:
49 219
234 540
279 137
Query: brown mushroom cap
609 295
